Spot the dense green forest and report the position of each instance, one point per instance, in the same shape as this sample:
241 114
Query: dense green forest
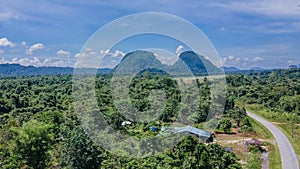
39 128
277 90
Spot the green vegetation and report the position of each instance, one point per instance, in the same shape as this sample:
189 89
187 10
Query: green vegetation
260 130
254 159
274 95
189 153
39 128
20 70
274 156
225 125
277 91
273 152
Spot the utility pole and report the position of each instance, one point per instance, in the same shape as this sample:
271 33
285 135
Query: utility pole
246 152
243 135
293 129
293 119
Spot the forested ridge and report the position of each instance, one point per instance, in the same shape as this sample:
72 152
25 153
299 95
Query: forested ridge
20 70
40 130
277 90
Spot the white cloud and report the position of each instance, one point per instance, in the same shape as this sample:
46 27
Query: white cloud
87 52
222 61
1 51
35 61
263 7
3 61
27 61
63 53
47 61
89 58
23 43
222 28
77 55
281 27
118 53
104 52
231 57
59 63
179 49
5 42
9 15
237 59
35 47
110 59
14 60
256 59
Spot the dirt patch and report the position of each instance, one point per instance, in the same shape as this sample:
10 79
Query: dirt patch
235 135
277 123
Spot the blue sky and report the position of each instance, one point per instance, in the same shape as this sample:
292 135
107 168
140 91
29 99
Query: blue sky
252 33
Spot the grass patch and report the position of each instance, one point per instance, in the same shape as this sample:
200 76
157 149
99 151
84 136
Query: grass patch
274 156
254 159
260 130
267 114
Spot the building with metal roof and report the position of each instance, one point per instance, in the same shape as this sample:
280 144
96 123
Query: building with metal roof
202 134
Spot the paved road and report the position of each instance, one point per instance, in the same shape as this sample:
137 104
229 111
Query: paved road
288 157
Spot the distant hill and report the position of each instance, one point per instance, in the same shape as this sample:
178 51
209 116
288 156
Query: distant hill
188 63
196 64
257 69
138 61
230 69
19 70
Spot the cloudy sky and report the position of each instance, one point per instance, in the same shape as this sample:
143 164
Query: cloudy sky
245 33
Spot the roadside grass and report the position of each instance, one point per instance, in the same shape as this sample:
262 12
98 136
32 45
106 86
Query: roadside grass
260 130
273 151
267 114
287 130
274 156
282 121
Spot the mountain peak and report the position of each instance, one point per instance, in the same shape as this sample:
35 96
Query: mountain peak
196 63
189 63
137 61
